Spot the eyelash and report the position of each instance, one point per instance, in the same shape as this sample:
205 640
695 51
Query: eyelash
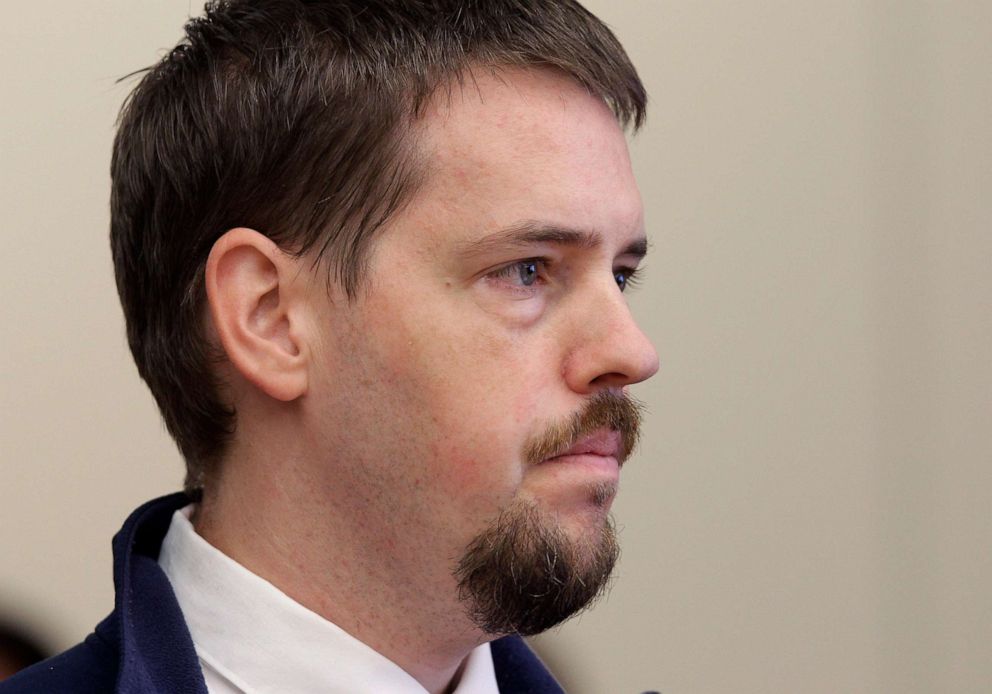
632 275
505 275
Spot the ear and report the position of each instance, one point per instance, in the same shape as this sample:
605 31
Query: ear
257 306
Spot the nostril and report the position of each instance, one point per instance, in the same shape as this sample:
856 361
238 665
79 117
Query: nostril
614 379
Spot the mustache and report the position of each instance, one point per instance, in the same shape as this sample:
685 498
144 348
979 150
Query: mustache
607 409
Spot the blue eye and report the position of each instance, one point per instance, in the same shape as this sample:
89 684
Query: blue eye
528 272
625 277
523 273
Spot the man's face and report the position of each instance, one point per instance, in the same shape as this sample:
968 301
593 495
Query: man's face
493 315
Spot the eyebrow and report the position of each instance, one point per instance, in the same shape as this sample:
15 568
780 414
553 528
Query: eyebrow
530 233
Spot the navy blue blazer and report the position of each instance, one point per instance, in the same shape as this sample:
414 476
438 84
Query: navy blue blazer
144 645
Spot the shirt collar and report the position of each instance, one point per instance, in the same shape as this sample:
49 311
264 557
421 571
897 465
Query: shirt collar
259 639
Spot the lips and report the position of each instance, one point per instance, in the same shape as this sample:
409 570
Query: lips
603 442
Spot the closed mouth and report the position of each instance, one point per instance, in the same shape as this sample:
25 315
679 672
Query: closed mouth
604 443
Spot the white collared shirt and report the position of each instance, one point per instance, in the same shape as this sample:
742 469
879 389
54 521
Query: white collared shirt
251 637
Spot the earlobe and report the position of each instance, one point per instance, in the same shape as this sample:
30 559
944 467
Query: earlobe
256 309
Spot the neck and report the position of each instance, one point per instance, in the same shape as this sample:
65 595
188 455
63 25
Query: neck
302 536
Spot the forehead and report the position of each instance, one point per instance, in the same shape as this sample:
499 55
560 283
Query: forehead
521 145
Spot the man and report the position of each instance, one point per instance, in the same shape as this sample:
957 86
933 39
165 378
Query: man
371 255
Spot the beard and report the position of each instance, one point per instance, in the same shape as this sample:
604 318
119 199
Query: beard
524 574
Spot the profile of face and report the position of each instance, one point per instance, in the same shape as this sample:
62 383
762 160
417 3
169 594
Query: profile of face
471 403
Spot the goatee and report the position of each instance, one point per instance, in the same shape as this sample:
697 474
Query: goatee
524 574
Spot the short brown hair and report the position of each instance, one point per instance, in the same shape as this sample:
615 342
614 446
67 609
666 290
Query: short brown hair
288 116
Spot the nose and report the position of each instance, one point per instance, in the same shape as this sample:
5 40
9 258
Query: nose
610 350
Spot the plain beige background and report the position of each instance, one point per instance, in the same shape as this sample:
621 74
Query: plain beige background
810 511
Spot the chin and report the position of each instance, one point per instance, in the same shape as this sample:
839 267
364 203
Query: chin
582 514
529 571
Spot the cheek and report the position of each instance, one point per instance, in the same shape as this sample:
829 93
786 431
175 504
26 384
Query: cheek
474 401
479 450
465 385
463 473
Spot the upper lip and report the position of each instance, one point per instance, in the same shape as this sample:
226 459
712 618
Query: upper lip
603 442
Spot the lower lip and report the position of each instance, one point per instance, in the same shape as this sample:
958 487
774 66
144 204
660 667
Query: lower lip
603 463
